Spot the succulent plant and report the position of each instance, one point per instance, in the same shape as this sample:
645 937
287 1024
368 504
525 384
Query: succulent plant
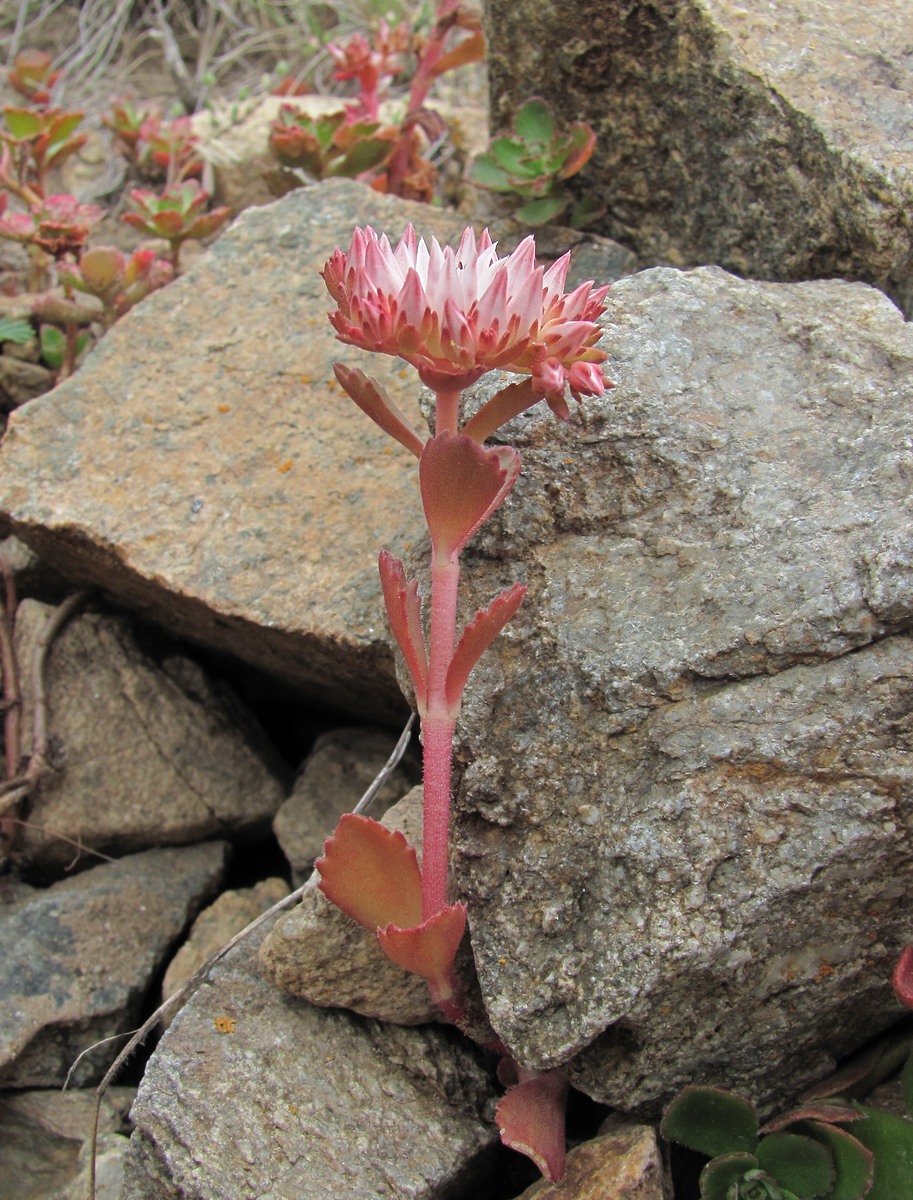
825 1149
329 144
533 160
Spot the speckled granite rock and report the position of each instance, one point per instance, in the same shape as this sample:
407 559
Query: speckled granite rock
254 1093
775 140
77 958
204 467
695 733
143 753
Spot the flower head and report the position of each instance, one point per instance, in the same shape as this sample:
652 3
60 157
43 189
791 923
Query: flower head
455 314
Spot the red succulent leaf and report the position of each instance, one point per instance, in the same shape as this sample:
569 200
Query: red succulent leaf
531 1119
462 483
829 1111
371 873
477 637
373 400
430 948
404 612
903 977
501 408
471 49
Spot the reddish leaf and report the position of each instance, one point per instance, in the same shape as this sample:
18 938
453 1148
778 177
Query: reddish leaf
469 50
430 948
476 639
462 483
903 977
501 408
531 1120
371 873
404 612
830 1111
375 403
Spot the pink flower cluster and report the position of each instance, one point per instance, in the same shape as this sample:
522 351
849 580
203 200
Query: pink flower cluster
455 314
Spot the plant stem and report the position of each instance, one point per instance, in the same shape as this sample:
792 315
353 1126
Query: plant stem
437 735
447 413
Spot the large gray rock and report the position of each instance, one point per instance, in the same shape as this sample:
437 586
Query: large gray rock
774 140
684 797
77 959
204 467
253 1093
142 753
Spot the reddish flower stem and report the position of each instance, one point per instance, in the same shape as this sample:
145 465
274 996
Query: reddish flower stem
437 735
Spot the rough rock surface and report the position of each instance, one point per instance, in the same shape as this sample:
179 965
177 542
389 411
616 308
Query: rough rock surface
695 734
254 1093
45 1143
770 139
77 958
317 952
203 466
624 1164
142 753
341 767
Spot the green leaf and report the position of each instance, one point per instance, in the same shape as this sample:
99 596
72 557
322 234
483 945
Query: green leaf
535 121
16 330
720 1175
362 157
22 122
486 173
53 346
797 1162
712 1121
852 1160
890 1139
537 212
514 157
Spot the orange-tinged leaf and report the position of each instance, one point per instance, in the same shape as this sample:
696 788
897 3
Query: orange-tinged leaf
373 400
531 1120
371 873
477 637
427 949
469 50
903 977
404 612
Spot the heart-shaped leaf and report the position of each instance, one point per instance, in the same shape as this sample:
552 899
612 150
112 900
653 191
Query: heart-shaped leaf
531 1120
430 948
462 483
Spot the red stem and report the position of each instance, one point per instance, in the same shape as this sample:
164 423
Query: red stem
437 736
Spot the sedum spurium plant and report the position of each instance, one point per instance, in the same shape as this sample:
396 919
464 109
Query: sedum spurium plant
453 314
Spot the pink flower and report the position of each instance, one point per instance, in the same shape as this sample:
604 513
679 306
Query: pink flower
456 314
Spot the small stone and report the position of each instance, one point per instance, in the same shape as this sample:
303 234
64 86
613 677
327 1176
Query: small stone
625 1164
341 767
45 1150
216 925
145 753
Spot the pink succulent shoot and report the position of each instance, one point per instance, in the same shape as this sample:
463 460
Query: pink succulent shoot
119 281
176 214
453 314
